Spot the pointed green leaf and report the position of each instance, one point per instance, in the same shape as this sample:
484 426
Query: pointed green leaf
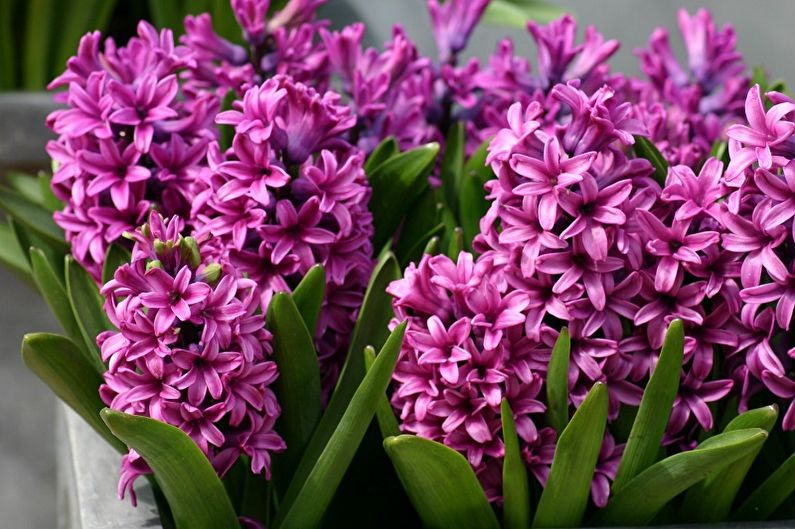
456 244
648 430
36 49
516 13
195 494
32 217
387 422
54 292
720 151
298 385
422 223
645 148
385 150
711 500
26 185
770 495
452 165
114 258
86 305
515 487
566 493
639 501
440 484
58 362
371 329
317 478
49 201
558 382
397 183
432 248
12 256
472 195
308 296
422 245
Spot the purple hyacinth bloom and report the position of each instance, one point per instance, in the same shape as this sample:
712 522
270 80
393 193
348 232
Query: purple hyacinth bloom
115 169
453 22
463 353
557 51
765 129
674 246
164 364
140 107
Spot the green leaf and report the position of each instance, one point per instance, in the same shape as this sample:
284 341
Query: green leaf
720 151
452 165
440 484
308 296
385 150
558 382
472 200
711 500
639 501
26 185
387 422
32 217
114 258
515 487
298 385
310 493
645 148
49 200
58 362
771 494
648 430
35 66
516 13
195 494
432 248
86 305
166 14
12 256
565 495
397 183
8 46
54 292
456 244
422 223
371 329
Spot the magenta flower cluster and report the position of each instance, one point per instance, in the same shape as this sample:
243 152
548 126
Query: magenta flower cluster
688 108
580 234
191 351
291 193
141 132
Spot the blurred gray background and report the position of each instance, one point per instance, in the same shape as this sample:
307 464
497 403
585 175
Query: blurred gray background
27 486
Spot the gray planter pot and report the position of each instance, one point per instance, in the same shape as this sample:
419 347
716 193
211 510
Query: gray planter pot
24 134
88 472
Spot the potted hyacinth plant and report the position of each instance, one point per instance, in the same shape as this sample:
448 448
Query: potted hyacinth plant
307 283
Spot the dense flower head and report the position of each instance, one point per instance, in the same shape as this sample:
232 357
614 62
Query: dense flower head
484 94
465 351
578 235
191 350
291 193
688 107
128 141
761 236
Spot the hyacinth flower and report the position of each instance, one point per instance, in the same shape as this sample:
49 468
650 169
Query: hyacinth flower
688 107
289 194
191 351
760 230
123 116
